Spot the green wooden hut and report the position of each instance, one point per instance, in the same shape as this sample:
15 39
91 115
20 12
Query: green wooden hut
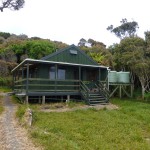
68 73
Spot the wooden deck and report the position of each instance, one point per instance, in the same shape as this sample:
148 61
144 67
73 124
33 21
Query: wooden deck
38 85
45 87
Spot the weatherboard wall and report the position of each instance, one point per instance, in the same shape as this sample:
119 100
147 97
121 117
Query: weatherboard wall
71 54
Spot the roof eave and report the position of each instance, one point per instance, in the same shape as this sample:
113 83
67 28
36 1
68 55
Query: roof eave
54 62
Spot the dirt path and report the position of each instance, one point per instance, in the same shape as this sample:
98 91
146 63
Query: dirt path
12 136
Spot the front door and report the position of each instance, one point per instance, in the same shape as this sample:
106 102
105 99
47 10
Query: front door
92 76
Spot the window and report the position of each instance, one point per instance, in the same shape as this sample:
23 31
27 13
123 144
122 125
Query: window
61 74
74 52
52 73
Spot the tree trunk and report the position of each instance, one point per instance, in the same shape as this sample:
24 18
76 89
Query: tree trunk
143 91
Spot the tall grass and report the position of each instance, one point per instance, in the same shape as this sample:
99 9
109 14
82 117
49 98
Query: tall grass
5 89
6 82
125 128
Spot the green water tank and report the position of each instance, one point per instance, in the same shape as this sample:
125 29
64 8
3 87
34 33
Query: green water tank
112 76
123 77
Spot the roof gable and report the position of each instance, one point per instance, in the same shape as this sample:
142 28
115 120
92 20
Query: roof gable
71 54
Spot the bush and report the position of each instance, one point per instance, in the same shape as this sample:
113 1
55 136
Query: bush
6 67
7 81
147 96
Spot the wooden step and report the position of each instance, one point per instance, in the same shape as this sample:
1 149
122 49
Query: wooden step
98 102
92 99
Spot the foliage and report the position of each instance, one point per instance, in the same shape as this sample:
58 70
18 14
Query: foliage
15 48
12 4
90 43
130 55
59 45
82 42
21 112
125 128
5 35
147 97
5 89
39 48
6 82
5 68
97 50
126 29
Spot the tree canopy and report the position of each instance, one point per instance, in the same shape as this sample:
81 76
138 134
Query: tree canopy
126 29
97 50
11 4
15 48
130 55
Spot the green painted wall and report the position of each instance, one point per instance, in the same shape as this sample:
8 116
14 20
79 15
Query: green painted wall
87 74
103 74
67 56
43 71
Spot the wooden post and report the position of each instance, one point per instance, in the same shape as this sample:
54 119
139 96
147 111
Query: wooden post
56 76
99 73
120 91
13 79
56 71
27 78
27 99
43 100
68 98
131 90
79 73
22 73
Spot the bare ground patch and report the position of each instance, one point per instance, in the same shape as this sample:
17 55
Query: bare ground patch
62 108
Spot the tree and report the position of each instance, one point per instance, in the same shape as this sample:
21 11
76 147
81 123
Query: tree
126 29
131 56
82 42
147 39
96 43
12 4
37 49
5 35
97 50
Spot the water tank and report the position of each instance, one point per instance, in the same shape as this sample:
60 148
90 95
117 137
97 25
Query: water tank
123 77
112 76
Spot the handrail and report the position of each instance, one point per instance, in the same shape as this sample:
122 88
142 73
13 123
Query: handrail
20 80
84 86
39 84
84 91
103 89
41 79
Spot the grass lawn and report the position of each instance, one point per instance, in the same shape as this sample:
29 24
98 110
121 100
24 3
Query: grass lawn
127 128
4 89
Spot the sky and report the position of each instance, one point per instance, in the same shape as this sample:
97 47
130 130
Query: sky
70 20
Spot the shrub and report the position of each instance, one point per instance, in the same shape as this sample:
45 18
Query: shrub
147 96
6 81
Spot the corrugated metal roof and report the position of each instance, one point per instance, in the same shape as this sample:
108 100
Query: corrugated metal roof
54 62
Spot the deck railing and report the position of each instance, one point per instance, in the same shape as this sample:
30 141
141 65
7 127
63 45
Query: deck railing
103 89
84 90
39 85
46 85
